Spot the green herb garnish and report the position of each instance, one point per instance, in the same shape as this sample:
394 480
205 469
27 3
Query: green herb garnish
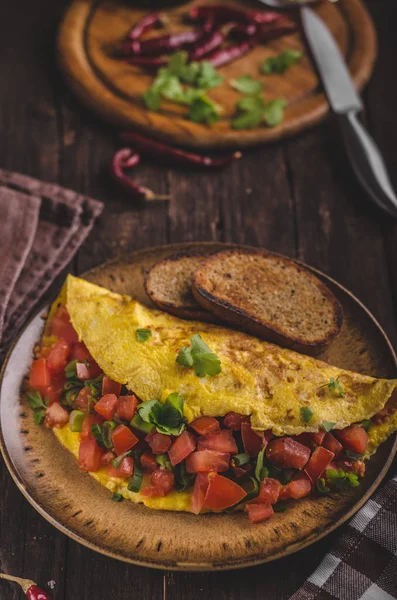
116 497
273 114
259 467
241 459
342 480
116 462
142 335
135 482
183 480
306 414
35 401
164 461
322 488
281 62
207 77
334 386
39 416
204 110
366 424
168 417
199 356
247 85
253 111
98 434
141 425
328 425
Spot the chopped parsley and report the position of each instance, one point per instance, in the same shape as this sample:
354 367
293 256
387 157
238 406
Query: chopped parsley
341 480
199 356
334 386
38 406
252 111
306 414
142 334
168 418
260 470
39 416
204 110
273 114
247 85
328 425
281 63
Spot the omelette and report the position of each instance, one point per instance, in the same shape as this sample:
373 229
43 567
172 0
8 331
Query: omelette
190 416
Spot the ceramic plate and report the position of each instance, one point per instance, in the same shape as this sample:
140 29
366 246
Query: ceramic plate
73 502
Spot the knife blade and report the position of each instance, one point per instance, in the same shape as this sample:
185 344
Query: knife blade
330 63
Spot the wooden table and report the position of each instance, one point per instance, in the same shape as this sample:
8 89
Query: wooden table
299 198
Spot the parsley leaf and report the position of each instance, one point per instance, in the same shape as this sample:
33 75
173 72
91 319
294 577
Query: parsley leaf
168 418
328 425
281 62
35 401
247 85
274 112
306 414
259 468
342 480
39 416
207 77
142 334
152 99
334 386
204 110
199 356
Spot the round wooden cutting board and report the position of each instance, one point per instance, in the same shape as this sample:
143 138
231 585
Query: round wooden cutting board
47 474
91 34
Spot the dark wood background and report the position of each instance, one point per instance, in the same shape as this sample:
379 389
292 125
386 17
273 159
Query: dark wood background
298 198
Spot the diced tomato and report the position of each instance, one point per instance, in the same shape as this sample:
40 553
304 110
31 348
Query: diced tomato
163 479
233 421
318 462
51 395
107 458
89 421
110 387
83 371
61 327
311 440
220 442
205 425
125 469
56 416
239 472
222 492
350 466
40 377
353 438
182 447
207 460
83 399
318 437
127 407
286 453
159 442
199 491
58 357
151 491
148 462
90 455
106 406
259 512
253 442
123 439
268 435
80 352
331 443
299 487
269 491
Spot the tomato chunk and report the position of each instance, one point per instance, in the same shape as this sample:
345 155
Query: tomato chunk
233 421
148 462
123 439
40 376
83 371
90 455
331 443
199 491
56 416
220 442
253 442
110 387
80 352
286 453
259 512
61 327
89 421
106 406
353 438
299 487
205 425
182 447
207 460
222 492
127 407
107 458
58 356
318 462
125 469
269 491
162 484
83 399
159 442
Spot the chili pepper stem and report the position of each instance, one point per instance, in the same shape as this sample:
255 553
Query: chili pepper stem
24 583
151 196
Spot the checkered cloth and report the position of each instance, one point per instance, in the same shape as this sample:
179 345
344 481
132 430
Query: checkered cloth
363 565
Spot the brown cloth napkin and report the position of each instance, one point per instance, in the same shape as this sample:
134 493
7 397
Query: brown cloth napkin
41 227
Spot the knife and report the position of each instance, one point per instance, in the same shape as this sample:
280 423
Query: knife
364 154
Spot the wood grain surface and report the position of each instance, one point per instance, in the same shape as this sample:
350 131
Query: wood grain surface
89 44
298 197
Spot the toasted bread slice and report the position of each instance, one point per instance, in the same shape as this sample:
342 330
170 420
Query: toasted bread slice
269 296
169 285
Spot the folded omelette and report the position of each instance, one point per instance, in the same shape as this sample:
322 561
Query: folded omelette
277 391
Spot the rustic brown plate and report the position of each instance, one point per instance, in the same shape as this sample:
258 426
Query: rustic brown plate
77 505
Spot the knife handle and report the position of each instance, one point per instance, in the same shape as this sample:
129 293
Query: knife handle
368 163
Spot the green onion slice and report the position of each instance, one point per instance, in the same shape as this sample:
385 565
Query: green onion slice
241 459
141 425
117 497
164 461
76 419
107 430
135 482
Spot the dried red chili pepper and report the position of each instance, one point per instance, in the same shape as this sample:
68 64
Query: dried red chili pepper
222 57
245 30
32 591
151 63
271 32
225 14
163 45
207 44
145 24
126 159
171 155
